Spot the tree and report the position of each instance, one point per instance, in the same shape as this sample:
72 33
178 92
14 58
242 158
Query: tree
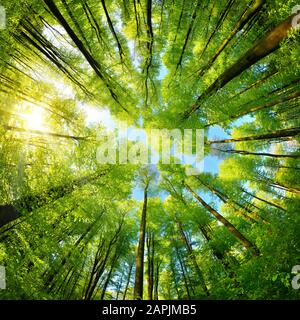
146 177
75 228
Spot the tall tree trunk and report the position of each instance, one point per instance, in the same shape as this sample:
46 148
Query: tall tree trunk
119 287
244 19
174 273
99 70
156 279
260 154
76 24
28 203
183 274
231 202
150 260
262 106
261 49
128 280
246 243
44 133
112 29
139 268
49 283
108 278
284 133
100 262
192 256
221 18
263 200
188 34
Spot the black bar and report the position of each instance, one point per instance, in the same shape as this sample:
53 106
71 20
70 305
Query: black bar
90 310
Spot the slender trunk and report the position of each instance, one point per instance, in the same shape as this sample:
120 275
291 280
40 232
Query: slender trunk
173 270
261 49
43 133
263 200
285 188
100 262
49 283
244 19
179 21
183 274
28 203
284 133
128 280
261 154
278 167
150 260
93 274
156 280
246 243
71 15
150 41
232 203
207 237
216 29
192 256
188 34
204 232
108 278
263 106
119 287
92 62
139 268
112 29
69 289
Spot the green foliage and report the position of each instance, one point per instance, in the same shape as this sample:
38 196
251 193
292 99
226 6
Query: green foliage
70 226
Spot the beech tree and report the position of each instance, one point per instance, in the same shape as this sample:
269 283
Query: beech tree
77 227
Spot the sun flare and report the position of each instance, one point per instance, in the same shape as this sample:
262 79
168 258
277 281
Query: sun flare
34 119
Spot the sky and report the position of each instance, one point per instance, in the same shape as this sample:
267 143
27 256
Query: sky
95 116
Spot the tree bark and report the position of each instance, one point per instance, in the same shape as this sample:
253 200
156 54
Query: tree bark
28 203
260 154
112 29
232 203
108 278
261 49
150 260
156 280
128 280
265 105
188 34
44 133
263 200
246 243
100 261
92 62
139 268
244 19
192 256
284 133
183 274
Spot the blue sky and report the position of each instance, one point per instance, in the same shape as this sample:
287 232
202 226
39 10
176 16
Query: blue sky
211 162
93 116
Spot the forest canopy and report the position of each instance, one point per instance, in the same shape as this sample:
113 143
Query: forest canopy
72 227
